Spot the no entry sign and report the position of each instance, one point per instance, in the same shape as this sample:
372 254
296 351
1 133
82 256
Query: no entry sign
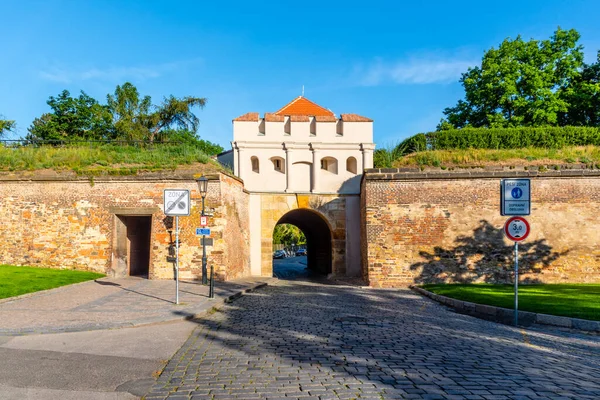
517 229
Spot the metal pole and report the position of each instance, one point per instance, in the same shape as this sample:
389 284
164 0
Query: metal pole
176 259
211 291
516 283
204 277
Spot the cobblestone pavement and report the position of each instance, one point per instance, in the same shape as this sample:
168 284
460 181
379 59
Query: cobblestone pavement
314 341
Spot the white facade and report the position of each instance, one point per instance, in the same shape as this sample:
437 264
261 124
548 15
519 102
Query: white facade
302 153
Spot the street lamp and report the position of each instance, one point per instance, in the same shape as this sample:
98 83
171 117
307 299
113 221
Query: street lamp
202 187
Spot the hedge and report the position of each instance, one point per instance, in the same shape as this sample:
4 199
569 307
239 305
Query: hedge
507 138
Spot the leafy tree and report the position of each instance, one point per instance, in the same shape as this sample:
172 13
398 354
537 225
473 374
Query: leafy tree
288 234
130 112
136 118
6 126
583 96
72 118
519 84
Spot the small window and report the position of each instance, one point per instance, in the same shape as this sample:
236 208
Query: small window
255 166
351 165
329 164
278 164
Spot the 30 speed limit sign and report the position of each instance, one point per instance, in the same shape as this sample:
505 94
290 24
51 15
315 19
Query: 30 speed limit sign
517 229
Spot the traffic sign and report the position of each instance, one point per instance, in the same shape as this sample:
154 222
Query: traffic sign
517 229
176 202
515 197
203 231
203 220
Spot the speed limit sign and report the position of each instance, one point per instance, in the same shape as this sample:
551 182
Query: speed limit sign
517 229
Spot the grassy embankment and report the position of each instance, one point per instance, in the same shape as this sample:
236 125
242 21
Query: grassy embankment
532 158
15 281
102 160
569 300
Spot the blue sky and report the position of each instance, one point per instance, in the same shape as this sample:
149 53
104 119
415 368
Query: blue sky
396 62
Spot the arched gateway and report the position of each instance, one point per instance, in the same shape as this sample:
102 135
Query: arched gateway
302 165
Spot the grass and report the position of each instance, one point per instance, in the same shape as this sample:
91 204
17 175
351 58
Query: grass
569 300
15 281
589 155
100 159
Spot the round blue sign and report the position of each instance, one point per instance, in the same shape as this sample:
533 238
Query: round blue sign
516 193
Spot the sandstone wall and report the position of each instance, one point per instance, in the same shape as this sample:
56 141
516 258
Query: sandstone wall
446 227
73 223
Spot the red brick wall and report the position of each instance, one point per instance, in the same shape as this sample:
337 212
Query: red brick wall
446 227
70 223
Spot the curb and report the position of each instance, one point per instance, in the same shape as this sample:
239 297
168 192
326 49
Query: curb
506 315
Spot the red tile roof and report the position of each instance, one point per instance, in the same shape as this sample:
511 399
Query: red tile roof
251 116
270 117
302 106
355 118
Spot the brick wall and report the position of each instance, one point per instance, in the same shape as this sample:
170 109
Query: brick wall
446 227
70 222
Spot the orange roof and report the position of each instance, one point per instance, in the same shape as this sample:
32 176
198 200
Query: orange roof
302 106
355 118
251 116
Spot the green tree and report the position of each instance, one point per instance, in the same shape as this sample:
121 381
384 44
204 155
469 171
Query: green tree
136 118
6 126
583 97
288 234
130 112
72 118
521 83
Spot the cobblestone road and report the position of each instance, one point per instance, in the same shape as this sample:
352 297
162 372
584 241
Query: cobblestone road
314 341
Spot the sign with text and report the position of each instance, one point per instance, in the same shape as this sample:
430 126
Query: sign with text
517 229
176 202
203 231
203 221
515 197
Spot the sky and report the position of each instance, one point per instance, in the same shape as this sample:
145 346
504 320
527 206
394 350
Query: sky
396 62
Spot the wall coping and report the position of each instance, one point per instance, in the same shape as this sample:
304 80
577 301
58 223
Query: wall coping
55 176
506 315
401 174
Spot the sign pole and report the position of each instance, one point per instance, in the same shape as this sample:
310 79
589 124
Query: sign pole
516 283
177 259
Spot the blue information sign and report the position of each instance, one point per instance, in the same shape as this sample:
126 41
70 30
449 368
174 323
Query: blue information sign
203 231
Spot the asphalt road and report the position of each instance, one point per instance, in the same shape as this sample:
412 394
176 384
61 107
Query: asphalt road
291 268
97 365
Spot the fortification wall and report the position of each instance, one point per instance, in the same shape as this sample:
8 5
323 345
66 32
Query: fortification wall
445 226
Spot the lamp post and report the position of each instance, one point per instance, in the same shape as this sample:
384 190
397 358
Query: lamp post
203 186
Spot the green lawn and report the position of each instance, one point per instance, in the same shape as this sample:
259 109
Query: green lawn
15 281
576 300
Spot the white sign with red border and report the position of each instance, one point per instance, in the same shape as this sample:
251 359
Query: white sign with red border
203 221
517 229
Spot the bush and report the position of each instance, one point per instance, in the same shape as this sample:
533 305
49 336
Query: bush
512 138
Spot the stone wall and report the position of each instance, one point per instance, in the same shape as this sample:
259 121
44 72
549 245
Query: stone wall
71 222
445 226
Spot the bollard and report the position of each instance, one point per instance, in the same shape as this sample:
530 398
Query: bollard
211 291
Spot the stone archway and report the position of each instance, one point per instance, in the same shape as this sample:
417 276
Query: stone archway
323 217
318 238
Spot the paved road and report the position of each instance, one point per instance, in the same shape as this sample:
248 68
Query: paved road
304 340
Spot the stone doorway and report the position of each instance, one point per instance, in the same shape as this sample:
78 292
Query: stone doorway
132 250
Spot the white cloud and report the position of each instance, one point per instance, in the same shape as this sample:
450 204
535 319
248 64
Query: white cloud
111 74
421 70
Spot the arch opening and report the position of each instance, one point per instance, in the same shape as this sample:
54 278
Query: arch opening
318 239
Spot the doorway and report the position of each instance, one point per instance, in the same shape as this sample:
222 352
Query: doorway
133 245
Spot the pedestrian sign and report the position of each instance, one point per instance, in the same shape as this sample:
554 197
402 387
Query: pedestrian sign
176 202
515 197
